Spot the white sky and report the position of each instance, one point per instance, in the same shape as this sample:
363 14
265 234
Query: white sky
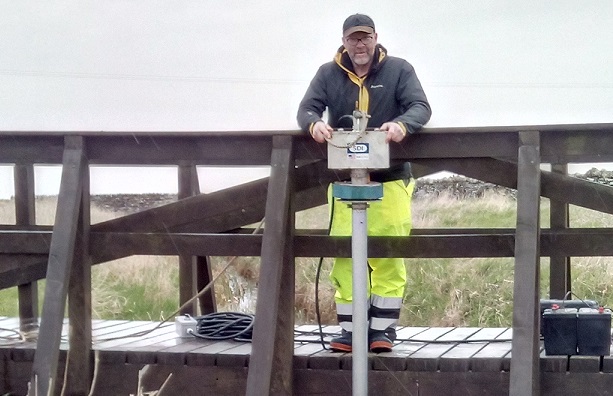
237 65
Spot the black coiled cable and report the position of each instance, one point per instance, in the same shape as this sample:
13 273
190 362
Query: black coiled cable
224 326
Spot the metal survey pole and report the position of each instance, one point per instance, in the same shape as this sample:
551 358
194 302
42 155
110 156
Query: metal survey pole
358 150
359 255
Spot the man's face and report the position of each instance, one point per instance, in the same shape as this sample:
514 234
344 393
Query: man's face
360 47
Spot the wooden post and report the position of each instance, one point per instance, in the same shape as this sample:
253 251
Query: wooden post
559 265
79 370
188 187
525 374
270 366
25 214
61 255
194 271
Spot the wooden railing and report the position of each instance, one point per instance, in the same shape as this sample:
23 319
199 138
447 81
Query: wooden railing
201 225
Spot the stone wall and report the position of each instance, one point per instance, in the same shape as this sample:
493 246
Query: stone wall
457 186
463 187
601 176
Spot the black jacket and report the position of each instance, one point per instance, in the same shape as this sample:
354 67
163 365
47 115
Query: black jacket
390 91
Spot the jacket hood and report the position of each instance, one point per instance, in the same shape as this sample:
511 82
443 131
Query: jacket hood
342 59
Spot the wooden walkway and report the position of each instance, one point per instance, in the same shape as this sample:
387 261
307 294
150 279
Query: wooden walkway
425 361
199 226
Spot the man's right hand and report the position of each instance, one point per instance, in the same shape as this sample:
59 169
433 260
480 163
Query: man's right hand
321 131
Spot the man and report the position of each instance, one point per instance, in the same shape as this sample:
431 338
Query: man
362 76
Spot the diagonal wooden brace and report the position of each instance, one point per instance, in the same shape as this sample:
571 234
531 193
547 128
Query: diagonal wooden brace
61 256
270 366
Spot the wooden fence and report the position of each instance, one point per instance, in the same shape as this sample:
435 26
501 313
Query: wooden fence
201 225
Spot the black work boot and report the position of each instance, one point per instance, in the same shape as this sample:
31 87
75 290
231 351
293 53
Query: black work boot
342 343
378 341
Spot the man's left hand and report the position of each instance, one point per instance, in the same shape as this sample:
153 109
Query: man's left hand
394 132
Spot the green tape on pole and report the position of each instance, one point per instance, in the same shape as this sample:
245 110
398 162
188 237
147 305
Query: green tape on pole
361 192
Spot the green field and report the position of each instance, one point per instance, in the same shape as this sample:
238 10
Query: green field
440 292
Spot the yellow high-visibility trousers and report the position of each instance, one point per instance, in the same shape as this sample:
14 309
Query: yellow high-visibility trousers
387 276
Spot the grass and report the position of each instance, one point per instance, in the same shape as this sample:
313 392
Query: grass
439 292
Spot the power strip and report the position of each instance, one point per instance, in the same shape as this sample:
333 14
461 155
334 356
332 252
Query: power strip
185 325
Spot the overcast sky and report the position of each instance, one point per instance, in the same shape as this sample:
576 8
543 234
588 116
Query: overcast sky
237 65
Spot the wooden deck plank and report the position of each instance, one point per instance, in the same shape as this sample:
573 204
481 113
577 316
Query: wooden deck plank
445 341
495 355
173 351
325 359
307 333
458 334
303 353
164 332
109 344
404 349
311 345
427 358
8 322
487 333
444 365
458 357
157 341
405 333
431 334
9 337
104 333
462 351
397 358
507 334
143 350
329 332
25 351
9 330
389 361
347 361
122 334
101 326
235 357
206 353
122 351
